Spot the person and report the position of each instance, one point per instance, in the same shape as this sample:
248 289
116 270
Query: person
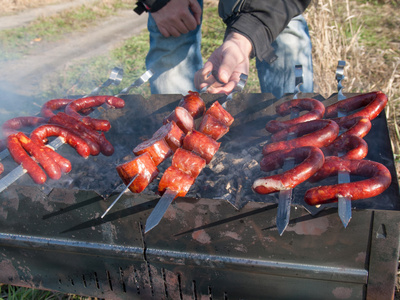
274 32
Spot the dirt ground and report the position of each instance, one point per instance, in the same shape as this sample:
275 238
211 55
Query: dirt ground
20 79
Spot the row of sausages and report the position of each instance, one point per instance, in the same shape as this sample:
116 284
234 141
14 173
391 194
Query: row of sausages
317 144
191 149
63 118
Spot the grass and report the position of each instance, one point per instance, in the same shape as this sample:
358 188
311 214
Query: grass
363 33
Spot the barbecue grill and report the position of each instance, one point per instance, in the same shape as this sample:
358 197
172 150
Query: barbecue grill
219 242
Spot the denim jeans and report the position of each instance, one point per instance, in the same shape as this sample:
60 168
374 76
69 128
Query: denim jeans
175 60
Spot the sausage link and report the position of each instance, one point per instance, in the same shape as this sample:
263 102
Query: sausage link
318 133
63 163
48 164
14 125
172 134
378 180
353 146
72 125
193 103
310 159
21 157
359 126
40 135
315 108
371 103
106 147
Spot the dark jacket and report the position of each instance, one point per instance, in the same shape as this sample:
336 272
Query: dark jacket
260 21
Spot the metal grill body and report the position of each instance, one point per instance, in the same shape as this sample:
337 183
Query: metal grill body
206 247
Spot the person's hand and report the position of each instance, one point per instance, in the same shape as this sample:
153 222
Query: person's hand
226 64
178 17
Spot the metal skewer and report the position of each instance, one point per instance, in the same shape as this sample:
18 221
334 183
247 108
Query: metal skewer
169 195
11 177
285 196
344 203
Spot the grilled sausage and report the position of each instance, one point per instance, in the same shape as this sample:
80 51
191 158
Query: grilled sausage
201 144
213 127
14 125
172 134
71 124
156 147
217 111
182 118
143 168
40 135
1 168
310 159
63 163
378 180
359 126
188 162
315 108
21 157
51 168
175 180
193 103
353 146
318 133
371 103
106 147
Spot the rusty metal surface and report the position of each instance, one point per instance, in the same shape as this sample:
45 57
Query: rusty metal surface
204 248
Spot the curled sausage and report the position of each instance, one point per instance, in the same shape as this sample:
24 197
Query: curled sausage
318 133
352 146
193 103
64 164
14 125
182 118
77 105
51 168
359 126
309 160
371 105
21 157
106 147
175 180
72 126
41 133
143 168
378 180
201 144
188 162
315 108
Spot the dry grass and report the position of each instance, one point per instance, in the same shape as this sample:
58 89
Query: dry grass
337 35
12 6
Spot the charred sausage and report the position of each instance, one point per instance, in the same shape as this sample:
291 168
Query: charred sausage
310 159
353 146
378 180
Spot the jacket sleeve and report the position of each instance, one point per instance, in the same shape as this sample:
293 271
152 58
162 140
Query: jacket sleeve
260 21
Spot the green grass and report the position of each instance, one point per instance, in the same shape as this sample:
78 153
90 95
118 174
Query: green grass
16 42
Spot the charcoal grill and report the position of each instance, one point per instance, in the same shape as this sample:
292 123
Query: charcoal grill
219 242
